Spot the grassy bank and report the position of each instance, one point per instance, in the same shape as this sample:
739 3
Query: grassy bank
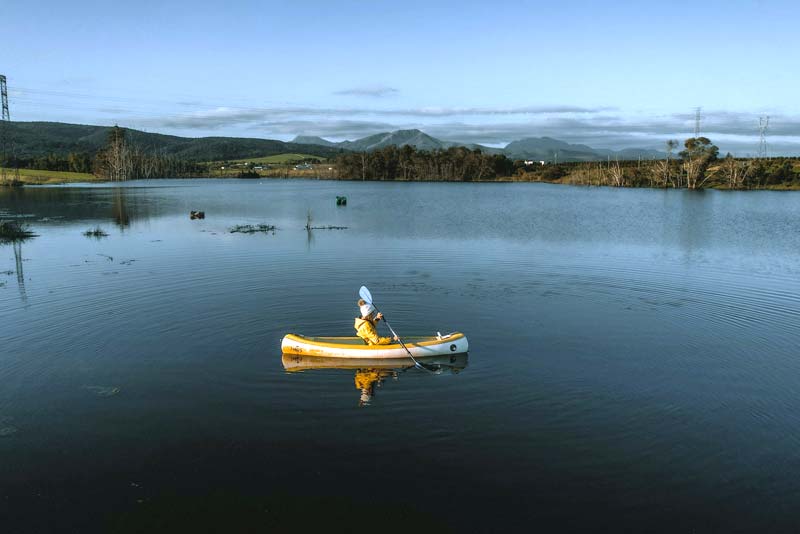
275 166
37 177
324 171
279 159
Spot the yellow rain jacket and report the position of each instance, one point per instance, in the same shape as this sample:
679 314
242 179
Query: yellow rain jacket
365 329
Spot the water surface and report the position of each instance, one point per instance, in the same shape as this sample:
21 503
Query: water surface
633 361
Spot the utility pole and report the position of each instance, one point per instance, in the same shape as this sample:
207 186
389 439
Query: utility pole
4 93
5 136
697 118
763 124
4 119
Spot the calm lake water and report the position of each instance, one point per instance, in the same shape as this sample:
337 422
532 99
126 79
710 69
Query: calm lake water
634 361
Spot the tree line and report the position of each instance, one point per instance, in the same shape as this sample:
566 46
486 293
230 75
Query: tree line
123 160
72 162
697 166
456 164
119 159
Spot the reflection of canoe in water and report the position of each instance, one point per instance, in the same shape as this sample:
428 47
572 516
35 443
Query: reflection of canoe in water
370 373
298 362
354 347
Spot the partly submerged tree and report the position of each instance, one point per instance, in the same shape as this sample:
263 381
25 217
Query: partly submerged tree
698 154
671 145
114 162
736 172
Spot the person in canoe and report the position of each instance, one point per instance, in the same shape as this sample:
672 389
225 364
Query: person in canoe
365 325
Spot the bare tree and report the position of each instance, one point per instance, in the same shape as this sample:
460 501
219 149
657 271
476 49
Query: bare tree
616 173
671 145
660 173
736 172
697 157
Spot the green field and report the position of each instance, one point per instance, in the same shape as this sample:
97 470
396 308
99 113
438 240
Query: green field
277 159
34 176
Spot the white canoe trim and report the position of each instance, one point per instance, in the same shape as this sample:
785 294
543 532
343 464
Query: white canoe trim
353 347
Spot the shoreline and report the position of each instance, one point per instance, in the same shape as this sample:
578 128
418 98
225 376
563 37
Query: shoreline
35 177
504 180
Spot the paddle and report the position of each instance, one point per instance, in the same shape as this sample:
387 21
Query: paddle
367 296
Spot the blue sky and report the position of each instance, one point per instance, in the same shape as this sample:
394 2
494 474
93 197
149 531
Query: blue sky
606 74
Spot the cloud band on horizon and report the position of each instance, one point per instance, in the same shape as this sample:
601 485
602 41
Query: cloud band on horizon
594 126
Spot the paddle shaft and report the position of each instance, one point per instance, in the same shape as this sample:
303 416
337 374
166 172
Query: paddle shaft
395 335
367 296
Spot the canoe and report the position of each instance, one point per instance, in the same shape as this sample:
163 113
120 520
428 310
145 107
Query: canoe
296 362
355 347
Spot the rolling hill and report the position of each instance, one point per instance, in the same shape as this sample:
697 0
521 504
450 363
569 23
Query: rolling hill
32 139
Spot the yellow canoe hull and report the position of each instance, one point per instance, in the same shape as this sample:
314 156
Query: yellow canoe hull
354 347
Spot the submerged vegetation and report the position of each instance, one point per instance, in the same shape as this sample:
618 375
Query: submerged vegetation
96 232
13 231
252 228
309 224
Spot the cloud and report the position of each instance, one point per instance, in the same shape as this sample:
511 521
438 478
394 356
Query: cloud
598 127
221 117
112 110
521 110
206 120
735 132
374 91
332 129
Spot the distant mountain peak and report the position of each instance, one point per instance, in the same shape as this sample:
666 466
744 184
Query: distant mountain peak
312 140
537 148
413 137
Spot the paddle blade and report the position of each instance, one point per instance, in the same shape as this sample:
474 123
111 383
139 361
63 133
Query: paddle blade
365 294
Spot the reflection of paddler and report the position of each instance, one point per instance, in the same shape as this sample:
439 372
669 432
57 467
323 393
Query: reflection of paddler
367 379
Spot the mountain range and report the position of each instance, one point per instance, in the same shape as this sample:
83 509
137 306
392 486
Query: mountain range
535 148
37 139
